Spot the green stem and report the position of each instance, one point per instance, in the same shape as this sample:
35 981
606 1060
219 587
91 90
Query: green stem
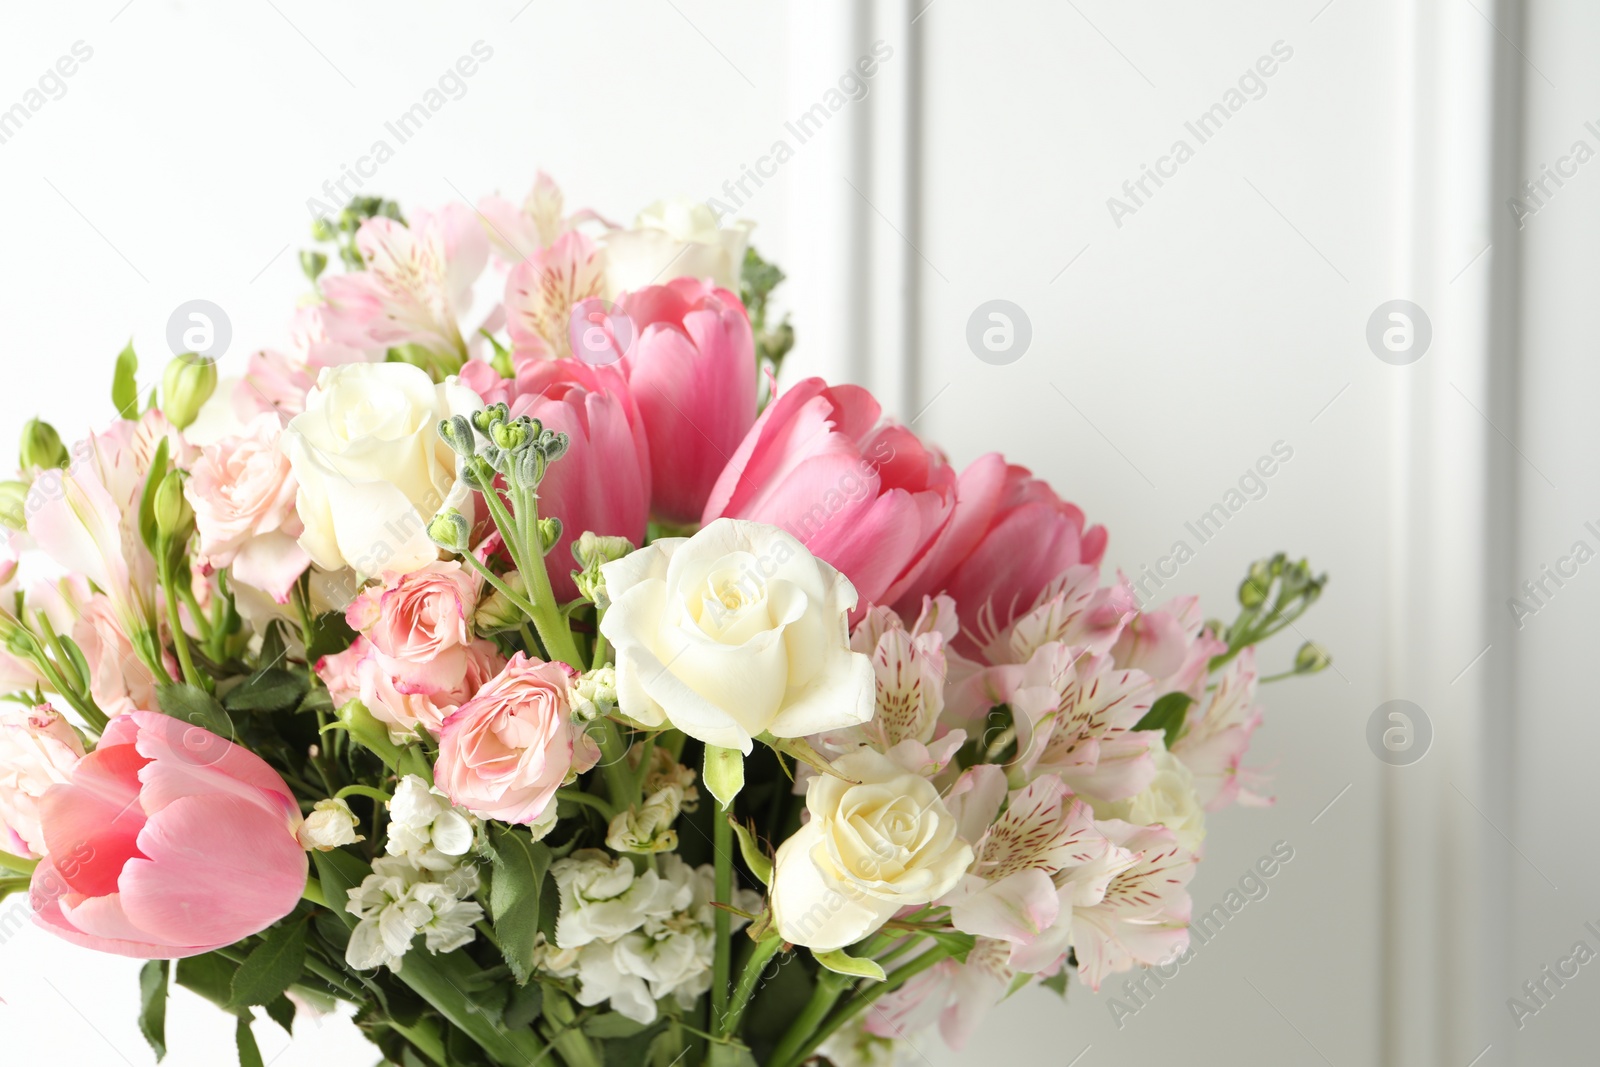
577 796
620 784
828 989
180 640
864 999
602 649
495 580
760 953
424 1037
18 864
547 617
722 847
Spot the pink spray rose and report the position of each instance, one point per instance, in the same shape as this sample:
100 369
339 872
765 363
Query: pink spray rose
242 491
1008 541
692 368
38 749
363 673
603 482
168 842
422 622
504 753
866 497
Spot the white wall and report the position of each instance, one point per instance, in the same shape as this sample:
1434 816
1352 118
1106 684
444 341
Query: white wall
1226 314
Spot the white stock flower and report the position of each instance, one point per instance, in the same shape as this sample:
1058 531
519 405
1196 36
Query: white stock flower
647 828
667 956
423 824
330 824
593 694
1169 800
735 632
371 467
602 897
677 238
875 844
400 900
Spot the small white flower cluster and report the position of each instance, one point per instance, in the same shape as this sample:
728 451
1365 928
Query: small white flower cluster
634 938
422 886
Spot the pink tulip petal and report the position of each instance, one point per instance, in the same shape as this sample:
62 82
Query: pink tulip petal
219 869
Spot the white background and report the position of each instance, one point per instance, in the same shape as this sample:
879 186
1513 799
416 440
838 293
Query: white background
1168 354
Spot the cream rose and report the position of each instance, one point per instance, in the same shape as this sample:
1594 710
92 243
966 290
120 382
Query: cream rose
675 239
735 632
878 843
371 467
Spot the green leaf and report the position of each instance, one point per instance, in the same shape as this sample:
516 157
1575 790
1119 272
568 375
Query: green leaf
955 943
339 872
329 634
153 1006
147 501
518 866
281 1011
196 707
211 976
724 773
612 1024
124 389
1167 714
272 967
1057 982
273 689
837 962
525 1005
249 1051
755 857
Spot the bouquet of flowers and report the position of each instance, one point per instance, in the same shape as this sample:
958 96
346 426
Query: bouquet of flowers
556 688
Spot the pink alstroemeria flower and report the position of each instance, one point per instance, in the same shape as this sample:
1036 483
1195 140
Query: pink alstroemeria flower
167 842
417 282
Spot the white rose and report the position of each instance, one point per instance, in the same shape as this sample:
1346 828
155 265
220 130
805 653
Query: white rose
371 467
874 845
735 632
1169 800
675 239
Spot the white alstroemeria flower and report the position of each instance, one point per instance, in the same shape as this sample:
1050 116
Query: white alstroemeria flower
676 238
423 819
330 825
603 898
1170 800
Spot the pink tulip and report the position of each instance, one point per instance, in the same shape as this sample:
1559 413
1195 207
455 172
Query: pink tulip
869 499
1009 539
603 482
692 368
168 842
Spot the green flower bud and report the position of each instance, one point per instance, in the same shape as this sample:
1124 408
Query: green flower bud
511 435
1252 594
451 531
313 263
14 505
41 446
457 433
549 533
496 612
322 230
593 694
1311 658
172 512
490 415
186 385
592 548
